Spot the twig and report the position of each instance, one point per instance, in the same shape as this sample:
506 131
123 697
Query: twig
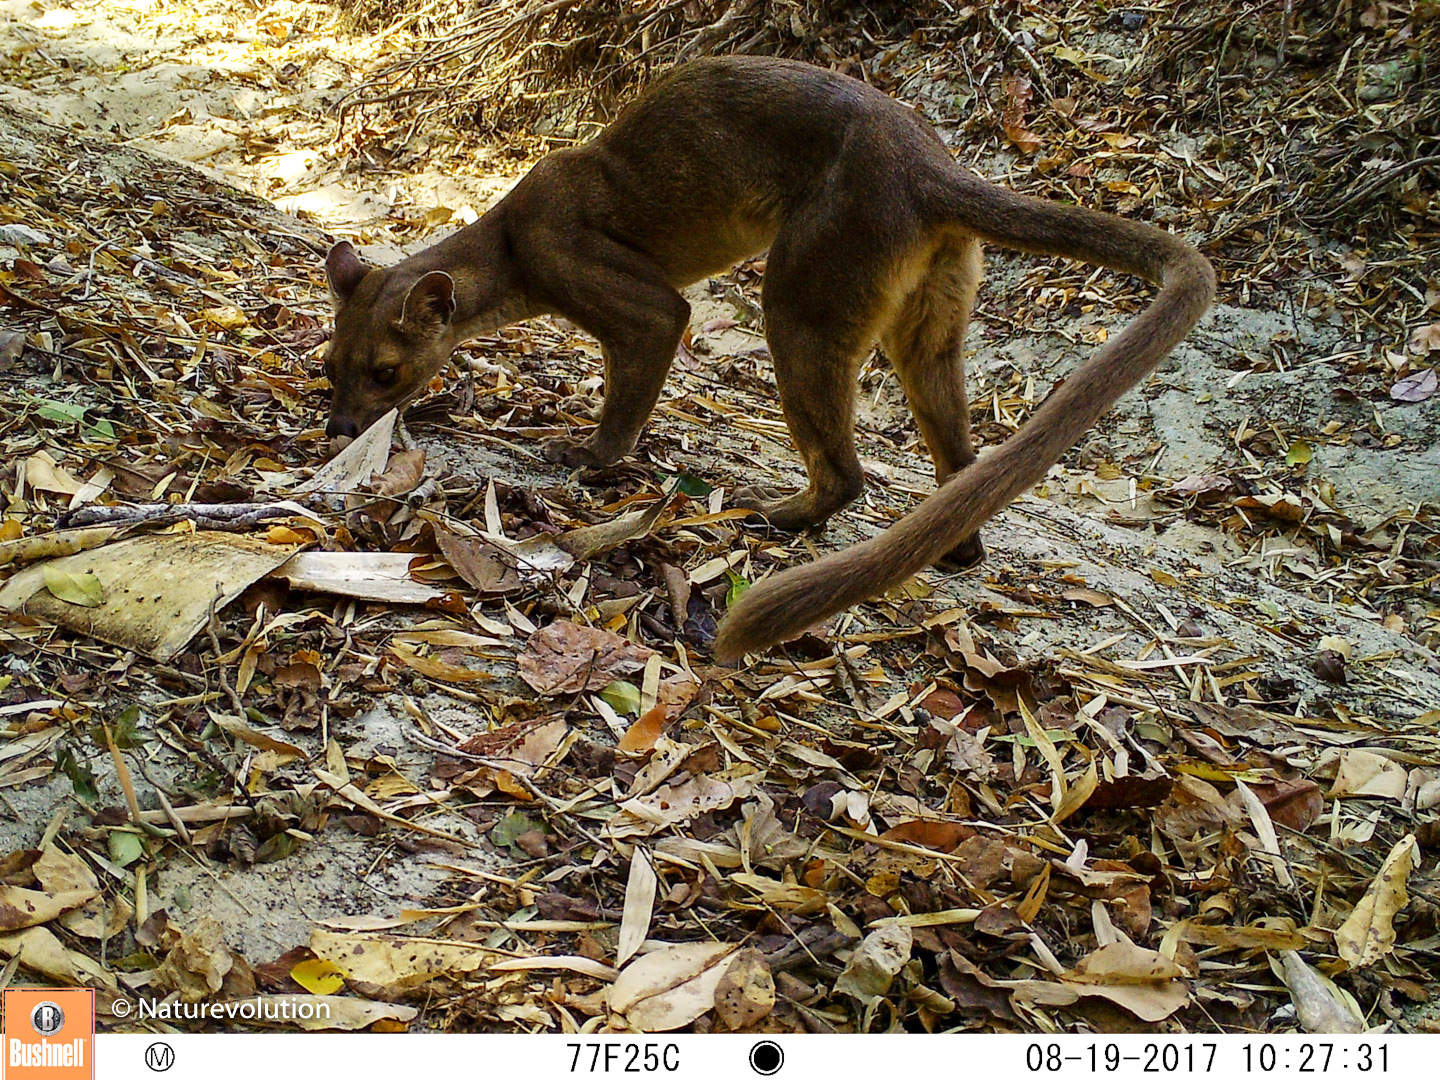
1377 182
1030 61
225 517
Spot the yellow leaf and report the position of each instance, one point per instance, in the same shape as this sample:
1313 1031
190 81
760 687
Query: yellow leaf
318 976
1299 453
283 534
84 589
1369 932
227 317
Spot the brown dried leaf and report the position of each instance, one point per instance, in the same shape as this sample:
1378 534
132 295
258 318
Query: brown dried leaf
640 737
874 965
745 994
564 658
432 668
670 987
1130 792
1365 774
402 475
1425 339
484 569
936 835
1089 596
1295 804
639 906
1369 933
1204 487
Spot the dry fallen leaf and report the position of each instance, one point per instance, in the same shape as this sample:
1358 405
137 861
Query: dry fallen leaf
1203 487
1425 339
402 475
564 658
44 473
937 835
480 563
671 986
672 804
433 668
1137 979
639 906
591 540
640 737
875 963
1420 386
1092 597
20 908
1363 774
745 994
1318 1003
1369 933
397 961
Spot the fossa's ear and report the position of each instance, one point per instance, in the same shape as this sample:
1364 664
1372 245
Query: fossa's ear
344 271
430 303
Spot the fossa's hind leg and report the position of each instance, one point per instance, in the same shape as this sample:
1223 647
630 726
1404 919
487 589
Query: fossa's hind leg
818 323
815 371
924 341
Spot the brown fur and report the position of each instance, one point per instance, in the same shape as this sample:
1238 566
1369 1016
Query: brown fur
874 235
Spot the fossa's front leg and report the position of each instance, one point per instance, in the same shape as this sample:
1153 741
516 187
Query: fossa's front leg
622 298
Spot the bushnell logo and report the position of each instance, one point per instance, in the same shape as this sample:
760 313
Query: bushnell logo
47 1019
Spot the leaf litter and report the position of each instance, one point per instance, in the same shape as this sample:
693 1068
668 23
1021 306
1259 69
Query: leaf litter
1099 781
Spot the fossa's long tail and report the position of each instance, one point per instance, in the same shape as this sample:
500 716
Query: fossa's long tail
796 599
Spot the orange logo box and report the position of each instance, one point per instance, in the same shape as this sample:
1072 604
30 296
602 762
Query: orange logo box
49 1035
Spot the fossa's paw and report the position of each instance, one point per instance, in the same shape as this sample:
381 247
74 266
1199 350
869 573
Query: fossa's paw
969 552
575 453
755 497
585 406
791 513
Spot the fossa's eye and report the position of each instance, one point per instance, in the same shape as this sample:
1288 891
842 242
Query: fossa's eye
384 376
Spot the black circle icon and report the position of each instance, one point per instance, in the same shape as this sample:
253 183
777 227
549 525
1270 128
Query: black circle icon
159 1057
47 1019
766 1058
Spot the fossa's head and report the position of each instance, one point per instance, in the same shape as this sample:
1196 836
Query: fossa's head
392 335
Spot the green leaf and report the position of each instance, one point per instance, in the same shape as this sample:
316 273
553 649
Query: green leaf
101 429
136 961
1299 453
125 847
738 588
511 826
81 776
61 412
280 846
84 589
691 485
124 730
622 696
